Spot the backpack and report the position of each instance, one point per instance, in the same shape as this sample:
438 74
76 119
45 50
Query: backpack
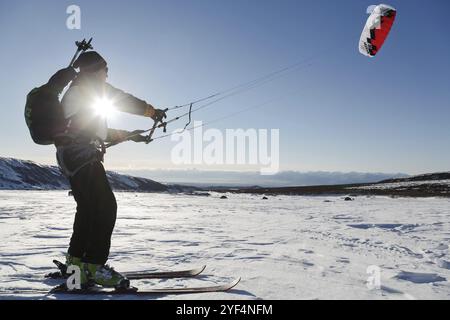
43 111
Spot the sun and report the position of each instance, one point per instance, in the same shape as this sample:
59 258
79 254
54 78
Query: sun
104 107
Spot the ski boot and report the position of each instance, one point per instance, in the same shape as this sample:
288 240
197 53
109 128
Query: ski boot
85 281
71 260
105 276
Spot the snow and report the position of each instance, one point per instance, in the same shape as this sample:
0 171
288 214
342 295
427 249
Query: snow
286 247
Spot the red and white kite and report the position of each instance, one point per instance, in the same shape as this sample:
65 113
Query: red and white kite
377 29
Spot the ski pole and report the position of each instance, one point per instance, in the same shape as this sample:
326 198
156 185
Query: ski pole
82 47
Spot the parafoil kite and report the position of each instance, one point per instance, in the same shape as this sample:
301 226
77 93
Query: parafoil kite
377 29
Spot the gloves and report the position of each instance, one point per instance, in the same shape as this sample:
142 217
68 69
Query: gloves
136 136
159 115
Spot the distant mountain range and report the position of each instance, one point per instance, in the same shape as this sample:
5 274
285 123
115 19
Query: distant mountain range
27 175
244 179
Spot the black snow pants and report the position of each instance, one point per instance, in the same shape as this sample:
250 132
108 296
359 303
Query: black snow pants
96 214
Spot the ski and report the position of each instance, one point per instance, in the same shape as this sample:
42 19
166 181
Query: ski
62 289
164 274
135 275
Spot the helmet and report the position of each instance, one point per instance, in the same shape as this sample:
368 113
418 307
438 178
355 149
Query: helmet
90 61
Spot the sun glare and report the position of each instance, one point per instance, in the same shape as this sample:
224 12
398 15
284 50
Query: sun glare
104 107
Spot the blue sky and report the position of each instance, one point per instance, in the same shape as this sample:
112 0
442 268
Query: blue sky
344 112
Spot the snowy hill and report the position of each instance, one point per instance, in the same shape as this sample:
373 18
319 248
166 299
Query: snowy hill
425 185
430 184
422 177
27 175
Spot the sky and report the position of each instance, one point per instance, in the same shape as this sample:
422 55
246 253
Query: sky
339 111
